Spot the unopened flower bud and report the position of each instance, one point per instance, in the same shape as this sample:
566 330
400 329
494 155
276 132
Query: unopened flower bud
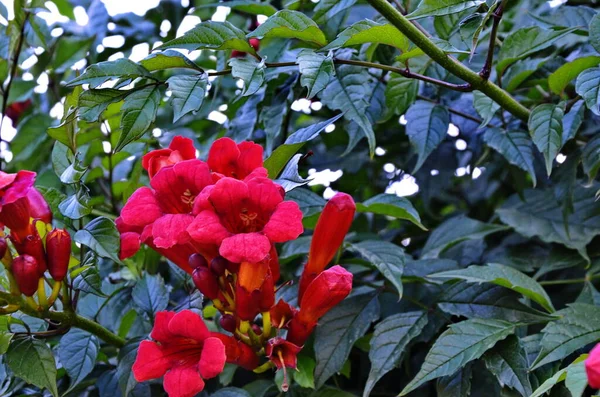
197 260
3 247
218 265
206 282
58 250
25 270
32 245
227 322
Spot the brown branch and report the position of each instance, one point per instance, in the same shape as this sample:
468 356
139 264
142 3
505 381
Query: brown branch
456 111
486 70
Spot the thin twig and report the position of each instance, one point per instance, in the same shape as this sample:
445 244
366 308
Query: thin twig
486 70
456 111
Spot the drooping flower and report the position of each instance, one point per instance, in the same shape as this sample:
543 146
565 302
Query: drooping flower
161 214
592 367
332 226
180 149
282 313
183 350
228 159
327 290
244 218
283 354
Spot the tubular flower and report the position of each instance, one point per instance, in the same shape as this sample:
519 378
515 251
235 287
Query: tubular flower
180 149
283 354
327 290
58 249
255 292
183 350
160 215
332 226
244 218
592 367
228 159
238 352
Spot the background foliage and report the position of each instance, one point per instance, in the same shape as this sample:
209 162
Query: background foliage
475 248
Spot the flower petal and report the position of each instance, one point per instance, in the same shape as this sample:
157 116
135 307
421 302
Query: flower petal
228 196
264 195
245 247
177 186
207 229
212 359
183 382
223 156
19 187
141 209
130 244
250 158
285 223
160 331
150 363
185 146
188 324
170 230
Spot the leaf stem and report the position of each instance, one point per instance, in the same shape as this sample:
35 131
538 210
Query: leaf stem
489 60
421 40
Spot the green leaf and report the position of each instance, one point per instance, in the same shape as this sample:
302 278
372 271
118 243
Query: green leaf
325 10
310 203
168 59
32 360
188 93
578 326
101 72
508 362
282 155
290 25
338 330
591 157
248 6
595 32
460 344
572 121
454 231
367 31
485 106
426 127
588 86
526 41
68 51
561 77
545 126
138 113
315 71
73 173
75 206
150 294
576 368
391 205
429 8
230 392
89 281
504 276
102 236
539 214
515 146
250 71
77 352
387 257
93 102
290 177
126 358
457 384
390 339
212 35
305 375
347 92
400 93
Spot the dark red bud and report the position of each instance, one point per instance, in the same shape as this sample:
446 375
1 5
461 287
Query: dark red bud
233 267
227 322
256 329
255 43
206 282
218 265
33 246
58 253
3 247
25 270
197 260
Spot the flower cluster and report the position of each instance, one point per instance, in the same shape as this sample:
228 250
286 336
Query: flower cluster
219 220
35 248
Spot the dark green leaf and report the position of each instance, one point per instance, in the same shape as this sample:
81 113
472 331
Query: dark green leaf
188 93
428 8
316 71
101 72
400 93
212 35
150 294
485 106
515 146
32 360
391 205
388 258
290 25
591 157
250 71
102 237
77 352
325 10
427 126
138 113
545 126
507 361
93 102
168 59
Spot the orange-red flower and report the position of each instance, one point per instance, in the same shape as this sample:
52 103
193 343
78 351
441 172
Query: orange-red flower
183 350
180 149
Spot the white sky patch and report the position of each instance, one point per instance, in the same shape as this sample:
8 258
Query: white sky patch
189 21
329 193
217 117
407 186
221 14
116 56
462 171
223 107
330 128
402 120
301 105
81 17
42 81
57 32
57 111
27 76
165 26
324 177
389 168
261 18
8 131
460 144
434 172
556 3
29 62
52 16
405 242
379 151
453 130
139 52
79 65
477 172
157 132
115 41
316 106
138 7
561 158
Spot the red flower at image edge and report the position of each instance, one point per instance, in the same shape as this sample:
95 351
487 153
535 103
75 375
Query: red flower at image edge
245 218
183 350
592 367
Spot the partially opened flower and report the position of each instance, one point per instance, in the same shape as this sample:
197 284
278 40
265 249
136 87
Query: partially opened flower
183 351
226 158
244 218
283 354
180 149
255 292
332 226
592 367
327 290
14 206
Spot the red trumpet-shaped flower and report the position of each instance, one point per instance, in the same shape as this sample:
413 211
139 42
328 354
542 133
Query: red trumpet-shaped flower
58 250
226 158
255 292
25 270
244 218
592 367
332 226
283 354
238 352
183 350
327 290
180 149
282 313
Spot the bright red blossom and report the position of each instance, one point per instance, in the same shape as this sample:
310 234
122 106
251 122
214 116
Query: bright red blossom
179 150
227 158
592 367
184 351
